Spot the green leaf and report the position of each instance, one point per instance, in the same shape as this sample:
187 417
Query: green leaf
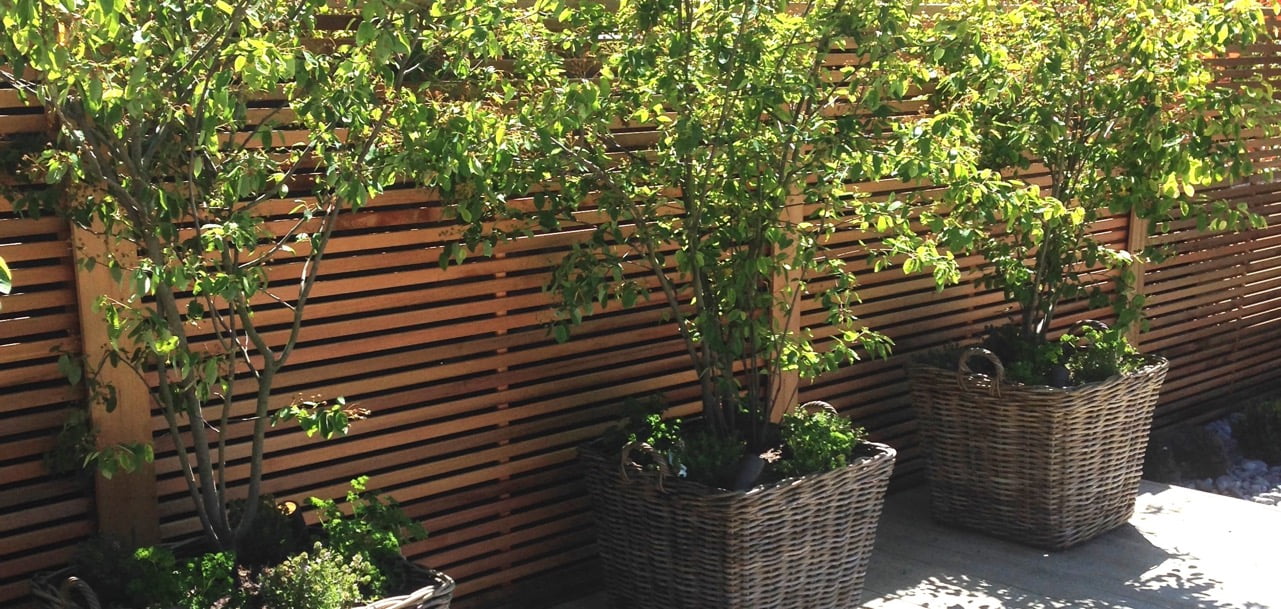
70 369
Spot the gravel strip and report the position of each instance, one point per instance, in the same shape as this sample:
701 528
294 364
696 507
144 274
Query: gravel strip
1246 478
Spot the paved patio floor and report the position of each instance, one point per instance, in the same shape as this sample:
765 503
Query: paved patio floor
1182 549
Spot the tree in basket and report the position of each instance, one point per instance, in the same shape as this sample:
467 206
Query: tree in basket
212 151
709 169
1125 110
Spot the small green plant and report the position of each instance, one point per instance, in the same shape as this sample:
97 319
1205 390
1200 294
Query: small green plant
1087 354
692 451
662 434
210 580
806 443
1026 361
372 534
1096 354
816 442
709 458
1259 432
635 425
129 578
357 557
320 579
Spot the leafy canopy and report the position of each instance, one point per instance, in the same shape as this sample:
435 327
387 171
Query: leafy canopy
708 168
1121 105
213 148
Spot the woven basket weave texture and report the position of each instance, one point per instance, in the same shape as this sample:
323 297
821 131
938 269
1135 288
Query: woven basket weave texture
1044 466
802 543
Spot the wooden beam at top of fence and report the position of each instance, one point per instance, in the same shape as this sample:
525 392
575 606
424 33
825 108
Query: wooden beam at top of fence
126 503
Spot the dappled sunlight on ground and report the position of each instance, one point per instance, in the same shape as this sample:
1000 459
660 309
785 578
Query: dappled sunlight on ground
1182 549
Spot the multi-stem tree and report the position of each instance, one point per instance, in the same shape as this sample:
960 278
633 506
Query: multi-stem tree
759 116
214 147
1123 104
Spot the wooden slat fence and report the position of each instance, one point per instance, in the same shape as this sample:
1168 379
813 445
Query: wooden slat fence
41 518
476 411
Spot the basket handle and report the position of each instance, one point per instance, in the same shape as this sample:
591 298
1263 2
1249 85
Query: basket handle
74 584
1086 323
626 462
968 379
815 407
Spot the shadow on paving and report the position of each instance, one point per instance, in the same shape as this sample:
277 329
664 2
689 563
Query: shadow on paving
921 564
1183 549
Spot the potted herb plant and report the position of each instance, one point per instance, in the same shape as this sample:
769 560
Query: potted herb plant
207 153
1116 104
707 166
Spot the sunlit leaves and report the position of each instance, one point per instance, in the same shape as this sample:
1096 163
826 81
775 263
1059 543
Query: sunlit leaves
319 418
726 210
184 129
1118 104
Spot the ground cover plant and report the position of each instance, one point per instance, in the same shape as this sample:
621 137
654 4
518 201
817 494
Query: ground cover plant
349 560
1117 103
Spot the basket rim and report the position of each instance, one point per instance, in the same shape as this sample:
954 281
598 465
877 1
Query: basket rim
437 585
1154 365
883 452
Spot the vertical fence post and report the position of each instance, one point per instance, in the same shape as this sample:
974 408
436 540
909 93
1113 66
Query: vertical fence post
1136 240
126 504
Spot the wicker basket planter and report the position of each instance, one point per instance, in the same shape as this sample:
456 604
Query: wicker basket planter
61 590
1046 466
801 543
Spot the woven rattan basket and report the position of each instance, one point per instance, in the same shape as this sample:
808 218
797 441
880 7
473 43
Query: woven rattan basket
1046 466
802 543
61 590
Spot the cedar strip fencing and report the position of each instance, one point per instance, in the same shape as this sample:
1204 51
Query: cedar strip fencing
476 411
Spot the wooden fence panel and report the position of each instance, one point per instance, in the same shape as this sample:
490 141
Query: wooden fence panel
476 411
41 518
1214 311
1213 308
